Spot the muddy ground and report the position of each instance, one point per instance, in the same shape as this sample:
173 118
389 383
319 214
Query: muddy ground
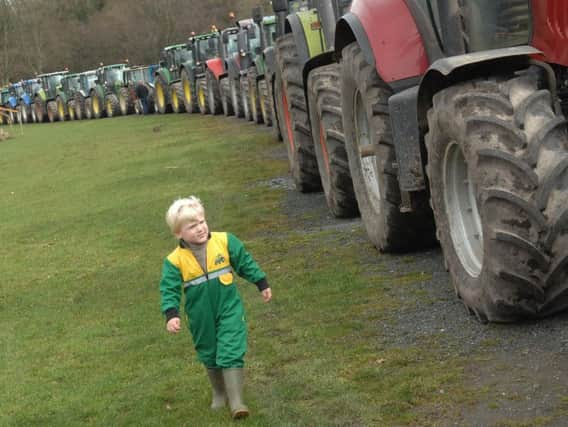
519 372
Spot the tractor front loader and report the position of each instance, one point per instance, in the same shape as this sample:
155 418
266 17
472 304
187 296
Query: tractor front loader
460 105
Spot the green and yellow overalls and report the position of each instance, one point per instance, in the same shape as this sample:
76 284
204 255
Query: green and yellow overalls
213 305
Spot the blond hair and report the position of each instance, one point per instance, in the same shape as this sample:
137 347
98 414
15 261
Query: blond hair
183 211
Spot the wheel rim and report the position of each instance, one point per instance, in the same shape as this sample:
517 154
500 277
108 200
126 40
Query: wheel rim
123 104
24 114
201 98
61 110
109 108
461 210
368 163
175 101
187 91
96 106
160 96
234 99
253 103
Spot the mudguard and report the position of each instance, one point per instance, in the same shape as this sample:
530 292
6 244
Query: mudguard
385 30
308 35
41 94
164 73
408 109
216 66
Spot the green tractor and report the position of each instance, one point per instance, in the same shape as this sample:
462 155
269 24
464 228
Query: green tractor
83 102
65 97
104 95
309 100
45 105
259 99
171 92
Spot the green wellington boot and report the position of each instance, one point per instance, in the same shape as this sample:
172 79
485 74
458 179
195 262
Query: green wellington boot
234 380
218 387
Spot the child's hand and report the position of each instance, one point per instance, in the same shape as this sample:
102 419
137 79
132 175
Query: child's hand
174 325
267 295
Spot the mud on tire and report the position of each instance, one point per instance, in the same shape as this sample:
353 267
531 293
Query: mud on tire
189 92
125 101
324 94
176 96
245 98
52 115
112 105
295 122
264 102
161 94
213 94
498 169
370 150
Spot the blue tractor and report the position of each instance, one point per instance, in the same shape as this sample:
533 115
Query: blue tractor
26 101
15 90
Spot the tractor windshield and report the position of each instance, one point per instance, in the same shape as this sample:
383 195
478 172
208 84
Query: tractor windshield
113 75
136 76
208 48
73 83
54 81
18 90
182 55
253 39
495 24
232 44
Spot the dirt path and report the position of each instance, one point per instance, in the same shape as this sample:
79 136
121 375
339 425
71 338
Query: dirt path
518 374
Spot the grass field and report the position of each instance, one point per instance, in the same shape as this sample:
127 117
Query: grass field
82 339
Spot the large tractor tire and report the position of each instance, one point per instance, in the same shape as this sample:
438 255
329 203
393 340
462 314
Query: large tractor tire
40 110
254 97
202 95
71 109
161 92
97 106
52 114
189 92
125 101
213 94
226 100
236 101
264 102
498 169
24 112
275 95
89 108
245 98
176 96
371 154
324 97
79 107
61 113
112 105
296 125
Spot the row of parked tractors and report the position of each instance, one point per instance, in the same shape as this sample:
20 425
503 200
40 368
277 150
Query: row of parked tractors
435 120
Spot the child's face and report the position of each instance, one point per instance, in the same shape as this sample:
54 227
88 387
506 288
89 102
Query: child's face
195 232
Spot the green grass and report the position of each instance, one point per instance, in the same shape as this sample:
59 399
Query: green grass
82 340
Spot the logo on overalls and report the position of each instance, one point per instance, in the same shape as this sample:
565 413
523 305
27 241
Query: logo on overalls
220 259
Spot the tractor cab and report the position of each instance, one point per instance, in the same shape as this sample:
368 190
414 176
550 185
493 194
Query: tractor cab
4 96
282 8
206 47
173 57
31 86
111 76
51 82
268 31
70 84
249 41
139 74
87 81
230 42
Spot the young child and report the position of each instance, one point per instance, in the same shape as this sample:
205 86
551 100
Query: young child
203 266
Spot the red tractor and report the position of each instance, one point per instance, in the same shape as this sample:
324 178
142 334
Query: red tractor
460 105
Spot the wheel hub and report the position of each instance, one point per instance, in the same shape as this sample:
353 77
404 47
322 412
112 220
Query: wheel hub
461 210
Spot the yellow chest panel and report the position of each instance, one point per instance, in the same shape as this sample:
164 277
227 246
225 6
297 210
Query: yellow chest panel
218 262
